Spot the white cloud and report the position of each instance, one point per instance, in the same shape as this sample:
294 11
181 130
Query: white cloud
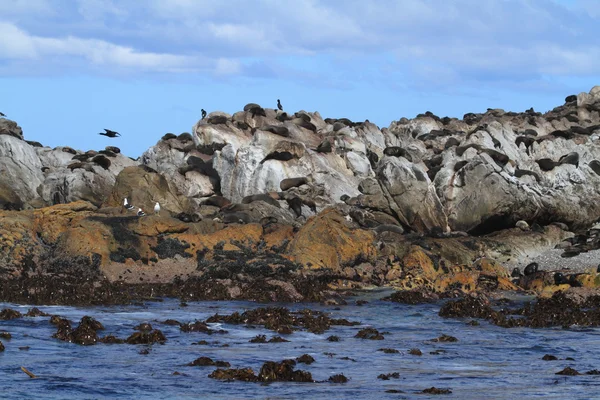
17 44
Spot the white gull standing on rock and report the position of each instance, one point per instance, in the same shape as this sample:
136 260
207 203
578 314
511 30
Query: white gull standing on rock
127 205
157 208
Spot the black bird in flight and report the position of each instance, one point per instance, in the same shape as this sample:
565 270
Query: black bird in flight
2 114
279 105
203 113
110 133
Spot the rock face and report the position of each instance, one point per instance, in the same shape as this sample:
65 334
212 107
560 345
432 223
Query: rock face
429 174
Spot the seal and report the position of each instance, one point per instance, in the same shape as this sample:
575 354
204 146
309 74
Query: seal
217 120
324 147
278 155
373 158
289 183
108 153
185 137
389 228
102 161
459 165
168 136
277 130
570 158
236 218
114 149
261 197
546 164
217 201
395 151
295 203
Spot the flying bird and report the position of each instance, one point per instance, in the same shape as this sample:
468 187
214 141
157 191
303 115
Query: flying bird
203 113
2 114
157 208
279 106
140 213
127 205
109 133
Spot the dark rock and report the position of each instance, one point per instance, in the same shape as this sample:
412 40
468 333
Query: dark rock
549 357
415 352
36 312
389 351
386 377
369 333
305 359
445 339
152 337
242 374
338 378
283 371
5 335
8 313
568 371
434 390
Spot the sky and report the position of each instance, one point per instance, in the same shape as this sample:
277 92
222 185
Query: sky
70 68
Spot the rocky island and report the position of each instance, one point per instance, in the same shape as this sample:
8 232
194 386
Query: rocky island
271 205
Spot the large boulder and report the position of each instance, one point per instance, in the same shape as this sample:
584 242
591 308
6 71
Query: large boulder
20 170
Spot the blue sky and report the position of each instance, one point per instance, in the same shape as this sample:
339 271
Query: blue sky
69 68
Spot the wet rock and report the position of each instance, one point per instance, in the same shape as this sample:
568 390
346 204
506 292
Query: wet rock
386 377
9 313
369 333
445 339
434 390
415 352
283 371
549 357
259 339
593 372
333 338
1 347
206 361
233 374
412 297
338 378
5 335
306 359
172 322
568 371
111 339
155 336
85 334
389 351
144 327
36 312
199 326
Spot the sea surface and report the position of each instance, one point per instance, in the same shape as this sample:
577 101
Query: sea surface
486 362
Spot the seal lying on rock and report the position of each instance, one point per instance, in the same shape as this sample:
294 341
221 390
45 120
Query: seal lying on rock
261 197
288 183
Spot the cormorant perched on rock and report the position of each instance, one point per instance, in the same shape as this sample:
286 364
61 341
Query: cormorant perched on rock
279 106
109 133
203 111
140 213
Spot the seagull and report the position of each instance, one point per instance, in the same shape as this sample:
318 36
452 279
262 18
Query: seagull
279 105
109 133
203 113
157 208
140 213
127 205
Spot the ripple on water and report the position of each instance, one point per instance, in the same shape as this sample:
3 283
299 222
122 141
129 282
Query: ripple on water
499 362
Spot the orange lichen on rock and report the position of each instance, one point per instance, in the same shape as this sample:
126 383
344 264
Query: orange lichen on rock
327 241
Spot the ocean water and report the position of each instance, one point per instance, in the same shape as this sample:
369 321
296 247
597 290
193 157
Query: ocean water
486 362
